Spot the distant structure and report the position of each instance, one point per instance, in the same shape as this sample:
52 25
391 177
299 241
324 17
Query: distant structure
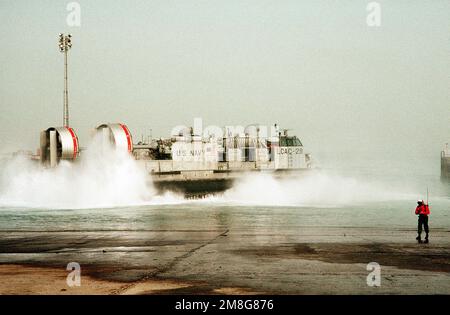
65 43
445 163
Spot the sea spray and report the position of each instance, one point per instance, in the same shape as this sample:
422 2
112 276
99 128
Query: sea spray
315 189
105 177
102 177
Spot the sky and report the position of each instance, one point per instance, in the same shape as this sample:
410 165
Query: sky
315 67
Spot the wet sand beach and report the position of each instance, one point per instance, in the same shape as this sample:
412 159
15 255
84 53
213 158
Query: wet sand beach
310 260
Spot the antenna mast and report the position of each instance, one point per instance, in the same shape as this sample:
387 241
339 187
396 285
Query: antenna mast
65 43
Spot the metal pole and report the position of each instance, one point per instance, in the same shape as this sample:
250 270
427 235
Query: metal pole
65 43
66 93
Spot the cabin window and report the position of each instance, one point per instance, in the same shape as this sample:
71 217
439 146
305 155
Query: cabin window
290 142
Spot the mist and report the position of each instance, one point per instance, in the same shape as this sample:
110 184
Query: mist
103 177
317 189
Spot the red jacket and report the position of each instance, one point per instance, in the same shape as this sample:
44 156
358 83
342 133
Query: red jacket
423 209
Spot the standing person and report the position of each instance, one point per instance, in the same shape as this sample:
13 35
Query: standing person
423 211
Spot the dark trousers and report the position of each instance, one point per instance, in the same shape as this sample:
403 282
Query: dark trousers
423 220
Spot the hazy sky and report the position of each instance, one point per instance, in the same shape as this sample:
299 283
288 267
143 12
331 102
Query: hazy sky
313 66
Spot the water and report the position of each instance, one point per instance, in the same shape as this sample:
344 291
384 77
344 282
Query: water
212 215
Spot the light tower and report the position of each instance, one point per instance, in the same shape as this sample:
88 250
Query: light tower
65 43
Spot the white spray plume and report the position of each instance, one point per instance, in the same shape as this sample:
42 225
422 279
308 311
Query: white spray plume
309 190
103 177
